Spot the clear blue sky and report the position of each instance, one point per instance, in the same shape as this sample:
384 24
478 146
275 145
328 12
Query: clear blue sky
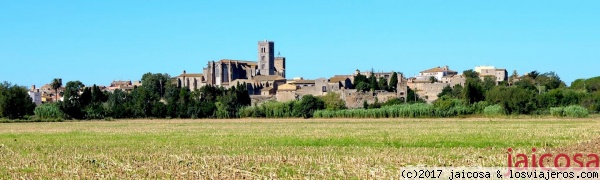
100 41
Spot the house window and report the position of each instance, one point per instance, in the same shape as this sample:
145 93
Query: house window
324 88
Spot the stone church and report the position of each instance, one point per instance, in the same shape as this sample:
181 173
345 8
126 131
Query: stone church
228 72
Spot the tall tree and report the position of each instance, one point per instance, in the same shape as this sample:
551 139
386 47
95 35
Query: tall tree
15 103
155 83
473 92
56 84
358 78
373 85
71 104
393 82
488 83
383 84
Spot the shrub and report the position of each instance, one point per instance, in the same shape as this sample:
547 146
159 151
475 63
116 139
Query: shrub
418 110
478 107
576 111
557 111
48 111
333 101
493 111
308 105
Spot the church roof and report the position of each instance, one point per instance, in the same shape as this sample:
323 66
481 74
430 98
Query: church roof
238 61
287 87
191 75
437 69
303 82
267 78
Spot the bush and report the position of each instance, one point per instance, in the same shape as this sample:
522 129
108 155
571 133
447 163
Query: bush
308 105
272 109
478 107
576 111
493 111
557 111
333 101
48 111
418 110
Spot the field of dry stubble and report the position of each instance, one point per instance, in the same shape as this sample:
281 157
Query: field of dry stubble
284 148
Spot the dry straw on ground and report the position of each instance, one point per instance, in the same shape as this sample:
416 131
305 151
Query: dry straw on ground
275 148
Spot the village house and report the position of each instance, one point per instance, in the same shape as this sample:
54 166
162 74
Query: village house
499 75
428 89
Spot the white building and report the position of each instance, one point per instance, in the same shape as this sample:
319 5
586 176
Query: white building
36 96
437 72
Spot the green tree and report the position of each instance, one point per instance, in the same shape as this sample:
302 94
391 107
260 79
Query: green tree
470 74
119 104
56 84
432 79
412 96
15 103
333 101
86 97
155 83
383 85
457 91
513 99
358 78
533 75
226 106
362 86
393 82
447 91
98 95
550 80
72 104
373 85
473 91
488 83
309 104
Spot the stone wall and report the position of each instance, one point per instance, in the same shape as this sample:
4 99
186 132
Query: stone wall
355 99
257 100
283 96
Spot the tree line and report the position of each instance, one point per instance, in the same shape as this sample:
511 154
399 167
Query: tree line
158 97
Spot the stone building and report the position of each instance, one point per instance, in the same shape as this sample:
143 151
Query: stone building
286 92
499 75
453 80
438 73
268 84
191 81
428 90
126 86
222 72
36 95
266 58
228 72
341 82
280 66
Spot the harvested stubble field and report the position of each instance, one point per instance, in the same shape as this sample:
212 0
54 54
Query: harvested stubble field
264 148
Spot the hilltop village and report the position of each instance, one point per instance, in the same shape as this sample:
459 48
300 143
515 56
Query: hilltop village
266 80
